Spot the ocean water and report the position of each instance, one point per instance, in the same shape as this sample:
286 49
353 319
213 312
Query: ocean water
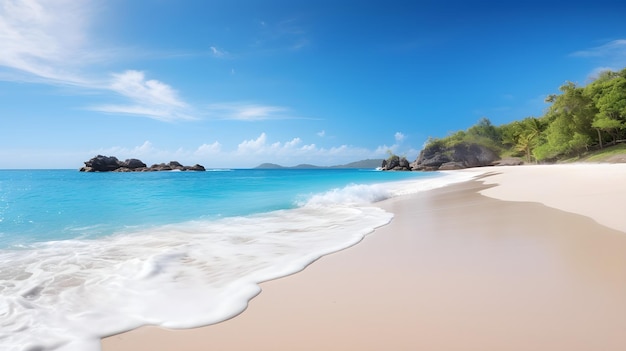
86 255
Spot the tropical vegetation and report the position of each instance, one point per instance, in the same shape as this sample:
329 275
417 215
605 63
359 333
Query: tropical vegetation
579 119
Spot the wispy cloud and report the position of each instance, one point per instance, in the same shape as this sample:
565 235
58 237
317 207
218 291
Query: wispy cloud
295 151
395 148
286 34
252 152
47 41
609 56
209 149
144 149
399 137
260 145
615 48
244 111
253 146
41 38
219 53
150 98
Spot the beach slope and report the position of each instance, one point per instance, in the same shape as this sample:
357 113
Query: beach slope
522 258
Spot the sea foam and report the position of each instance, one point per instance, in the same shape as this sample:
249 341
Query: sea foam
66 295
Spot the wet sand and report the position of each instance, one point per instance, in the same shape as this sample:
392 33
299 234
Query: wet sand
455 270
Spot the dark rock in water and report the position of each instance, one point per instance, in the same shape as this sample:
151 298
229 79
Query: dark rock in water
112 164
160 167
134 163
463 155
195 167
102 164
175 165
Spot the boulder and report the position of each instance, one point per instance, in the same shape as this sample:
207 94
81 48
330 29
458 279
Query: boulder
396 163
102 164
160 167
175 165
134 163
195 167
463 155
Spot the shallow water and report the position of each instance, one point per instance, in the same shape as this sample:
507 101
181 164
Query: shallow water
84 255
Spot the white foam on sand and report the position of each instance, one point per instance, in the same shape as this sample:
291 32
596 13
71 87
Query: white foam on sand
67 295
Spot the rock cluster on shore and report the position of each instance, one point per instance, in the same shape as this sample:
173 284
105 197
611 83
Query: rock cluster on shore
112 164
441 158
396 163
459 156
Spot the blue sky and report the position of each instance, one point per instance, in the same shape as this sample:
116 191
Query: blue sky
238 83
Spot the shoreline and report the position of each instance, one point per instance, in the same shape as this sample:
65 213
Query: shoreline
502 275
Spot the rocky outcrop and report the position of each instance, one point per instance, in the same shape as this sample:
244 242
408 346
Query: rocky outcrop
112 164
463 155
396 163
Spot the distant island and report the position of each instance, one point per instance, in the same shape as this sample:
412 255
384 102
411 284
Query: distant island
101 163
363 164
112 164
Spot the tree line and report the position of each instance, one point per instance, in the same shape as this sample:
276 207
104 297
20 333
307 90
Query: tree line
579 119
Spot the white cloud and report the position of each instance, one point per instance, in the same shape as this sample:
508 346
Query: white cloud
253 146
49 41
609 56
321 134
144 149
595 73
610 49
150 98
293 143
294 152
309 148
247 111
252 152
151 154
384 149
260 145
216 52
134 85
399 137
45 39
209 149
282 35
299 44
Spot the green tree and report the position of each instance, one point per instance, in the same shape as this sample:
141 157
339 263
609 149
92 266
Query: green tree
569 123
610 101
527 136
484 129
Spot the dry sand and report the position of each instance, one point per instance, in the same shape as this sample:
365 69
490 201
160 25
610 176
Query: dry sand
455 270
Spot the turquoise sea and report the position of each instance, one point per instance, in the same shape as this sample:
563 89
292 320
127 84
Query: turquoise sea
85 255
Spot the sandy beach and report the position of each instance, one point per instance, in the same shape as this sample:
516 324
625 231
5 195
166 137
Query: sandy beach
521 258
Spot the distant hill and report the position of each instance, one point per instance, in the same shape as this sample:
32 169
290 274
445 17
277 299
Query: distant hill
275 166
268 166
369 163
